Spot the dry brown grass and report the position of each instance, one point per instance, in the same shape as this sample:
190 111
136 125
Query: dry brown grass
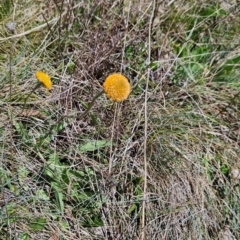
193 121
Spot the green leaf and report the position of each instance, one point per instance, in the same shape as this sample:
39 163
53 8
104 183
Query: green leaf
21 130
23 236
94 121
22 176
224 169
64 224
93 145
213 11
59 127
228 69
139 192
53 168
38 224
59 199
58 177
132 208
11 208
58 193
70 67
40 194
65 176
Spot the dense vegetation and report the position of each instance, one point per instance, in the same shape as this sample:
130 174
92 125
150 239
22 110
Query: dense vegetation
163 164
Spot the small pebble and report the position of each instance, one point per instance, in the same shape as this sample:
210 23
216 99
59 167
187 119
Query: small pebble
11 26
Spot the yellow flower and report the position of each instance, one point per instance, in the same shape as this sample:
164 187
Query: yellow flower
44 78
117 87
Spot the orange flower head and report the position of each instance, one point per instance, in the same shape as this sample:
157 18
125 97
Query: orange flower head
117 87
44 79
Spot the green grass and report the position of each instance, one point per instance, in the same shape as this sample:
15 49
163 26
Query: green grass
54 171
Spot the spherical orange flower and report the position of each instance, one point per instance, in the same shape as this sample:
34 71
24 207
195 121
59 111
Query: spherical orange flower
44 78
117 87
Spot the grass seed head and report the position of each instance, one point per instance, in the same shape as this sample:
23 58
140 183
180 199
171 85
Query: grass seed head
117 87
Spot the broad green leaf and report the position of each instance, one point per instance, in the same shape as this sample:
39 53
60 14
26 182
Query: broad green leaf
93 145
53 168
38 224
